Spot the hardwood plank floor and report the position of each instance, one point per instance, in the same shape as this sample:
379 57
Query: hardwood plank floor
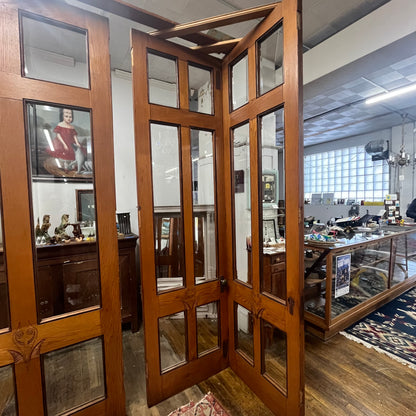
343 378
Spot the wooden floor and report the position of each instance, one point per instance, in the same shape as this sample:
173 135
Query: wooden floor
343 378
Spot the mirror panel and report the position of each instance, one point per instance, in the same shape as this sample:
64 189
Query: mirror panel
207 327
274 355
167 203
74 376
270 55
54 51
242 207
244 332
172 341
272 207
7 391
162 76
239 82
200 89
204 213
4 292
60 152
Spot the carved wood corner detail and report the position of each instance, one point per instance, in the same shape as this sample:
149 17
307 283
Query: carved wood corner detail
189 299
27 344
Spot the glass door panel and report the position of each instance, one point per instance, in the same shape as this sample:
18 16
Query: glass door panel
74 376
4 293
167 202
208 325
239 82
200 89
7 391
272 207
61 164
270 52
203 198
242 210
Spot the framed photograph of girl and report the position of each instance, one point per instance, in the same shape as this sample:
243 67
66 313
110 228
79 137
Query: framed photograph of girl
59 142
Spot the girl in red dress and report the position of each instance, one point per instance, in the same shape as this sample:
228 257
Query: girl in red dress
66 136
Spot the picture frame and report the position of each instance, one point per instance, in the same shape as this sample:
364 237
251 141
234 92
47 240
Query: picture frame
269 230
59 142
85 205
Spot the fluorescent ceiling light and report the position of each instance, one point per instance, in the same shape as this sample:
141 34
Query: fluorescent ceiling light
391 94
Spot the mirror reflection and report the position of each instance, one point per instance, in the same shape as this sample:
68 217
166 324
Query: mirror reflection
272 208
203 197
270 52
242 204
163 80
61 166
200 89
239 83
4 293
172 341
244 332
207 327
7 391
167 202
56 52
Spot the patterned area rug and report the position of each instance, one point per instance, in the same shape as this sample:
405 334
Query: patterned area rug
390 330
207 406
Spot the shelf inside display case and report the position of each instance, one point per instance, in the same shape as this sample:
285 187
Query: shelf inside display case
351 278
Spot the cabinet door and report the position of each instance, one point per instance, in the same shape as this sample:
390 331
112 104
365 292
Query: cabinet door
60 350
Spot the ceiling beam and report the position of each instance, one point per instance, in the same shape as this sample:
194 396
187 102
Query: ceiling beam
128 11
224 46
213 22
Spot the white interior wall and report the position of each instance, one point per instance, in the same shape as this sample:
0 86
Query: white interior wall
124 149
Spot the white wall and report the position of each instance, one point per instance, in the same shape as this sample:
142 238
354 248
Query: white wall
124 150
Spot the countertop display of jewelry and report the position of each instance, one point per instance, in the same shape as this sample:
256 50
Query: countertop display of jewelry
345 279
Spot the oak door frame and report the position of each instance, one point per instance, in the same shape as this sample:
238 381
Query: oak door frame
104 321
162 385
286 315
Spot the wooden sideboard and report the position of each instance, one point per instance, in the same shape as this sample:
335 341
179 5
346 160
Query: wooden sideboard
274 273
68 279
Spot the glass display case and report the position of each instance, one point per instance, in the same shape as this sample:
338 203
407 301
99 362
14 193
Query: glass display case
347 279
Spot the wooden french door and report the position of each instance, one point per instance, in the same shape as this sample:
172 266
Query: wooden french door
60 330
178 127
242 163
262 109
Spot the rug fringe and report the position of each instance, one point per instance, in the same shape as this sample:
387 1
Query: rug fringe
378 349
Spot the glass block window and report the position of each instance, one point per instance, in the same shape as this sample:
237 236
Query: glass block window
349 173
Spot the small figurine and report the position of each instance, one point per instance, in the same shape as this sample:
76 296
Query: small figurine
60 231
77 232
42 236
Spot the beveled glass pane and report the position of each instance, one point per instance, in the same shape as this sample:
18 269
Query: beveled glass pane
172 341
7 392
203 190
61 159
56 52
242 212
272 209
74 376
401 264
359 276
207 327
167 202
162 74
239 83
411 254
244 332
200 89
270 53
274 354
4 293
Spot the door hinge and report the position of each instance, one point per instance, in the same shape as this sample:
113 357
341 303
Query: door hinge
291 304
225 348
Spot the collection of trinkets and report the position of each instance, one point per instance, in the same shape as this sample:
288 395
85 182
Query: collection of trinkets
60 235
